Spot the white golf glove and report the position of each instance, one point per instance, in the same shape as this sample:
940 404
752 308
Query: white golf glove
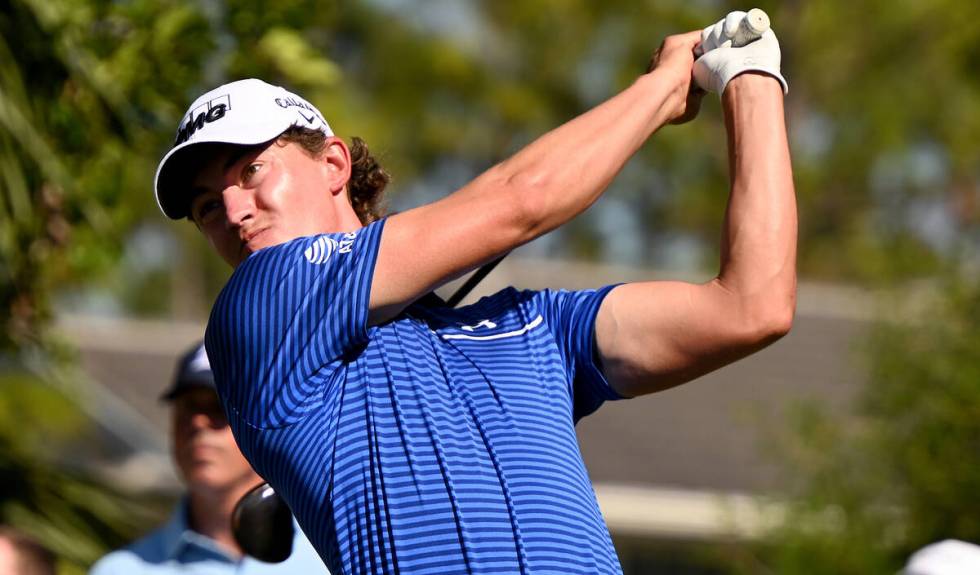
721 61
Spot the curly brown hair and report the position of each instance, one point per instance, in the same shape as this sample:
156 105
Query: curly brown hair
367 179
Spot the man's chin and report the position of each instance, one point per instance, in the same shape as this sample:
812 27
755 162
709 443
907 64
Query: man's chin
213 475
208 481
265 239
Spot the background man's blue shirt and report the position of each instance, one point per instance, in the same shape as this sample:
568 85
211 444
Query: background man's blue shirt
175 549
440 442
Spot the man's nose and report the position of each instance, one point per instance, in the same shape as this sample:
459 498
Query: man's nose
239 205
200 420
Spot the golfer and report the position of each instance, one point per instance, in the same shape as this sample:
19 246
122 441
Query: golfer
408 437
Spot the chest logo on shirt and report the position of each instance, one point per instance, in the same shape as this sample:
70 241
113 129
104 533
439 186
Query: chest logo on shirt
485 323
489 337
323 247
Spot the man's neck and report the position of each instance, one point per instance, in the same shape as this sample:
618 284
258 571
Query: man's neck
209 513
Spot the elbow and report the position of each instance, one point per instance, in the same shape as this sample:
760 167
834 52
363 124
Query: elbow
777 324
771 320
760 314
761 323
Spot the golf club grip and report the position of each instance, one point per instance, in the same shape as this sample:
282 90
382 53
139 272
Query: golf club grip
753 25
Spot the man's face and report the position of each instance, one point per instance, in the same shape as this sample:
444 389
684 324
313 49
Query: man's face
249 198
204 449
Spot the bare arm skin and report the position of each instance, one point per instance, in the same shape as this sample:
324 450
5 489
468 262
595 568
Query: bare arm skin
555 178
655 335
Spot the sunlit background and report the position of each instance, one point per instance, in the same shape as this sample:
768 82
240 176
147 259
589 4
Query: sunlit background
840 450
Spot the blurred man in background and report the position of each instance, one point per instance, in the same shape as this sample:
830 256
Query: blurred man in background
198 538
22 555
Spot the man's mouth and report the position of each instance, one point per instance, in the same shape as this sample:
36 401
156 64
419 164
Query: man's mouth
251 238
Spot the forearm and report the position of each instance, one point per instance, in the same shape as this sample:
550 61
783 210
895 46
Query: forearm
563 172
758 255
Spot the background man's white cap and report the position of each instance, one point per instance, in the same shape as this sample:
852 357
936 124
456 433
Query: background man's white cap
949 557
245 112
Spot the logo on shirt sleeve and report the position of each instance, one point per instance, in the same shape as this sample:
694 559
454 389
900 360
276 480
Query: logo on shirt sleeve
323 247
320 250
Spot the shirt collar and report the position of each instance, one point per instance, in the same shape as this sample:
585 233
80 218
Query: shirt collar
178 536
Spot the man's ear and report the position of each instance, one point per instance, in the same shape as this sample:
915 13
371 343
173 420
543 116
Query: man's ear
337 163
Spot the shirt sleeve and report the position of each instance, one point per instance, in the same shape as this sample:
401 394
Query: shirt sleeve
286 316
571 318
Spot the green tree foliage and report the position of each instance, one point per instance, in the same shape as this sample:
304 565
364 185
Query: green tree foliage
884 116
65 507
900 473
83 86
86 90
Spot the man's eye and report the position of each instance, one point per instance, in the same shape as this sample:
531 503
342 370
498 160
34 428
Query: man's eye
249 171
205 209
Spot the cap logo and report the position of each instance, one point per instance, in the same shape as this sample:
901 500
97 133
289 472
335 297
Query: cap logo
290 101
210 111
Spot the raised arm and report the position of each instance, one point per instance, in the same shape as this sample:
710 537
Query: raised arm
544 185
655 335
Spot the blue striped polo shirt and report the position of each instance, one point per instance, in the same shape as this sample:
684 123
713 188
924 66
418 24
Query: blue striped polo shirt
441 442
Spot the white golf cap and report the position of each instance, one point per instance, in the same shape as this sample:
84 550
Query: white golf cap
949 557
246 112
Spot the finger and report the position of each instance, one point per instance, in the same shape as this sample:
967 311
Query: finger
732 21
687 40
706 33
716 36
690 39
